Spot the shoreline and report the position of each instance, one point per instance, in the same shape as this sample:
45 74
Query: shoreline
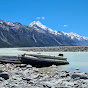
56 49
26 76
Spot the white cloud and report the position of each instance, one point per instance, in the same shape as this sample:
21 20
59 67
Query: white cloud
38 18
65 25
43 18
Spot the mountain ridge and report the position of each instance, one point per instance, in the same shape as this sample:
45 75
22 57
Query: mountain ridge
36 34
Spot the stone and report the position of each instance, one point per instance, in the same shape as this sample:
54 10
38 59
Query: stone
63 75
5 82
30 77
48 84
4 75
53 66
28 66
35 69
67 75
1 79
77 69
27 79
22 65
1 71
80 75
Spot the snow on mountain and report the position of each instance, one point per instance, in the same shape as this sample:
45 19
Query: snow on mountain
36 24
80 40
73 35
7 25
36 34
1 21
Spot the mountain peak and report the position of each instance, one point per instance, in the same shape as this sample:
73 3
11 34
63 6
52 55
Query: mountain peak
38 23
35 23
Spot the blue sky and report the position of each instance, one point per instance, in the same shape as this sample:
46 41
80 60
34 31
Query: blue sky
60 15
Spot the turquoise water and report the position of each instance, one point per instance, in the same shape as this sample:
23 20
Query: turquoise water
76 59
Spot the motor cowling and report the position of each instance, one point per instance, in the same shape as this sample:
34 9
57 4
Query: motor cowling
61 55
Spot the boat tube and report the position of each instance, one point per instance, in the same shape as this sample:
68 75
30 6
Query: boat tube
41 60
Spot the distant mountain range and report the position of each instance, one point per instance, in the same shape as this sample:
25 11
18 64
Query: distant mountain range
36 34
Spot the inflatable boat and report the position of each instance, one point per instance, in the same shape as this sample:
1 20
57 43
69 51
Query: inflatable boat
36 60
43 60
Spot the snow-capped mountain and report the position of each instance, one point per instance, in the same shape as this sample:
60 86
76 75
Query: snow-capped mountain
71 35
36 25
80 40
36 34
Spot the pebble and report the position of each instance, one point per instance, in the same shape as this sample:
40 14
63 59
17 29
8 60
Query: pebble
26 76
53 66
28 66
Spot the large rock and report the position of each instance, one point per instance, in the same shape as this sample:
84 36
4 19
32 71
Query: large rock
4 75
28 66
22 65
1 71
79 75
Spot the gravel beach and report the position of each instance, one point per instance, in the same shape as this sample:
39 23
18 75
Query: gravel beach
56 49
26 76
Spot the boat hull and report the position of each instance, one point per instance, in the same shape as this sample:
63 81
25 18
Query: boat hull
10 61
41 62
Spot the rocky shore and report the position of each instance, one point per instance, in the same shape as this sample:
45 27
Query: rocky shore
56 49
26 76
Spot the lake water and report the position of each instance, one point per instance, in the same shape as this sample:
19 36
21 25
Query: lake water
76 59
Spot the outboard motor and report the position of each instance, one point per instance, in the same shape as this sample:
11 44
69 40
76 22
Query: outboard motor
23 55
61 55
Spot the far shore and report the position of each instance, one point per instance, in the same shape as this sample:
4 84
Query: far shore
56 49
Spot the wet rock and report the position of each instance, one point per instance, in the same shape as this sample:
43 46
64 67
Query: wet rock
1 79
64 75
5 83
28 66
27 79
4 75
25 73
1 71
77 69
7 65
70 84
66 72
35 69
80 75
53 66
67 75
22 65
48 84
